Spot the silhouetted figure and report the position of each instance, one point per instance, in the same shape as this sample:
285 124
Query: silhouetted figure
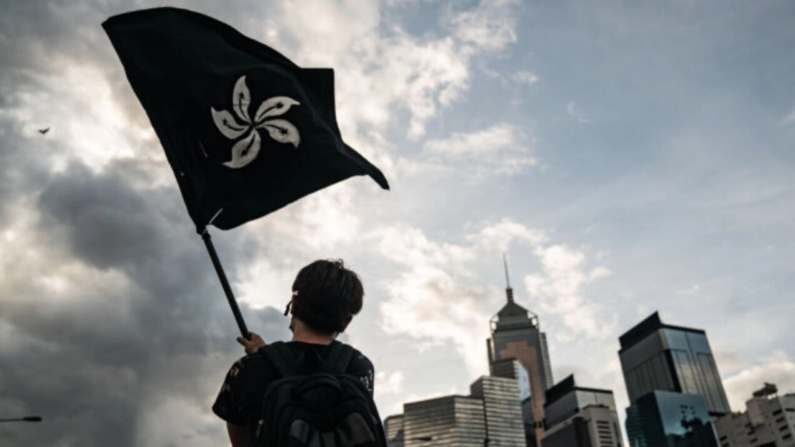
44 131
312 388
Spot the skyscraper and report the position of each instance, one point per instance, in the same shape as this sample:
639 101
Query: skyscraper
673 384
491 416
657 356
515 333
444 421
580 417
503 412
670 419
393 426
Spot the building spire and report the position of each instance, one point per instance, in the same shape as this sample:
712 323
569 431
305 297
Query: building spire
508 289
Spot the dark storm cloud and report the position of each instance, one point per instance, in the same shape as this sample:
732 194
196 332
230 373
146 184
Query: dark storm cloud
96 361
111 355
18 171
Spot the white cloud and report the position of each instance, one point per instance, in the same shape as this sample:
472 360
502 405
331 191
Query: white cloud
431 299
434 299
478 143
501 149
262 284
690 290
388 382
789 119
559 289
322 220
380 68
403 3
316 226
525 77
490 27
574 111
500 235
86 121
777 368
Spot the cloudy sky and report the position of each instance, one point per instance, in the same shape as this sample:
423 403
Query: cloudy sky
627 157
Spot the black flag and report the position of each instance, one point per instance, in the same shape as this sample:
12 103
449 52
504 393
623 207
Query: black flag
245 130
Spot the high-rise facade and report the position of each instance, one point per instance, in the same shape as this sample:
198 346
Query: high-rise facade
673 384
656 356
449 421
513 369
490 417
670 419
502 409
769 420
515 333
580 417
393 426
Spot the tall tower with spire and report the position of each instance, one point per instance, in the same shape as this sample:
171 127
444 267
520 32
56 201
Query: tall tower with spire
515 333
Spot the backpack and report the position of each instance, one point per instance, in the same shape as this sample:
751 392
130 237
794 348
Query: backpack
326 408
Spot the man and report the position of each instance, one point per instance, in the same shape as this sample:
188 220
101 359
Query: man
325 298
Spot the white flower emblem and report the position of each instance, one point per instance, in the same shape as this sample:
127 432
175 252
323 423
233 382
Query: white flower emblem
247 148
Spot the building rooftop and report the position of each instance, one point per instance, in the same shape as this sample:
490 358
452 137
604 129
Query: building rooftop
512 310
566 386
513 316
646 327
439 398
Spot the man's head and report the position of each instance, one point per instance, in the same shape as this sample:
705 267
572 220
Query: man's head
327 296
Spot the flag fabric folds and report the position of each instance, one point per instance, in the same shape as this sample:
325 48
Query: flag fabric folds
245 130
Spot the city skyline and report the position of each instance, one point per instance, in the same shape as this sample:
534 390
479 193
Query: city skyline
627 157
676 393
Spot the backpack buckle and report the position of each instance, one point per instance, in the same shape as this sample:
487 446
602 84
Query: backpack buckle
260 424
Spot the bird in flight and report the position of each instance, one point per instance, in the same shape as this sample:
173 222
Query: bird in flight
43 131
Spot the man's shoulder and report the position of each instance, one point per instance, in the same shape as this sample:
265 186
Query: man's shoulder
259 362
361 367
255 361
360 364
358 356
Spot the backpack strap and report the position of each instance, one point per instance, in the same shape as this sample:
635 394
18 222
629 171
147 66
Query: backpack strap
280 357
340 356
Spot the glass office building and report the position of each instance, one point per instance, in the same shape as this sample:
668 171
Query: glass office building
656 356
670 419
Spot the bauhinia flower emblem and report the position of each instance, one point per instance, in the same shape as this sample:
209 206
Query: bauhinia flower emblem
246 149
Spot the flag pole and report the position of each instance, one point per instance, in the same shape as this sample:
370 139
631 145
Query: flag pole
219 269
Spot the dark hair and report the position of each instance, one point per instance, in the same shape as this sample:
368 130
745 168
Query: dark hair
326 295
